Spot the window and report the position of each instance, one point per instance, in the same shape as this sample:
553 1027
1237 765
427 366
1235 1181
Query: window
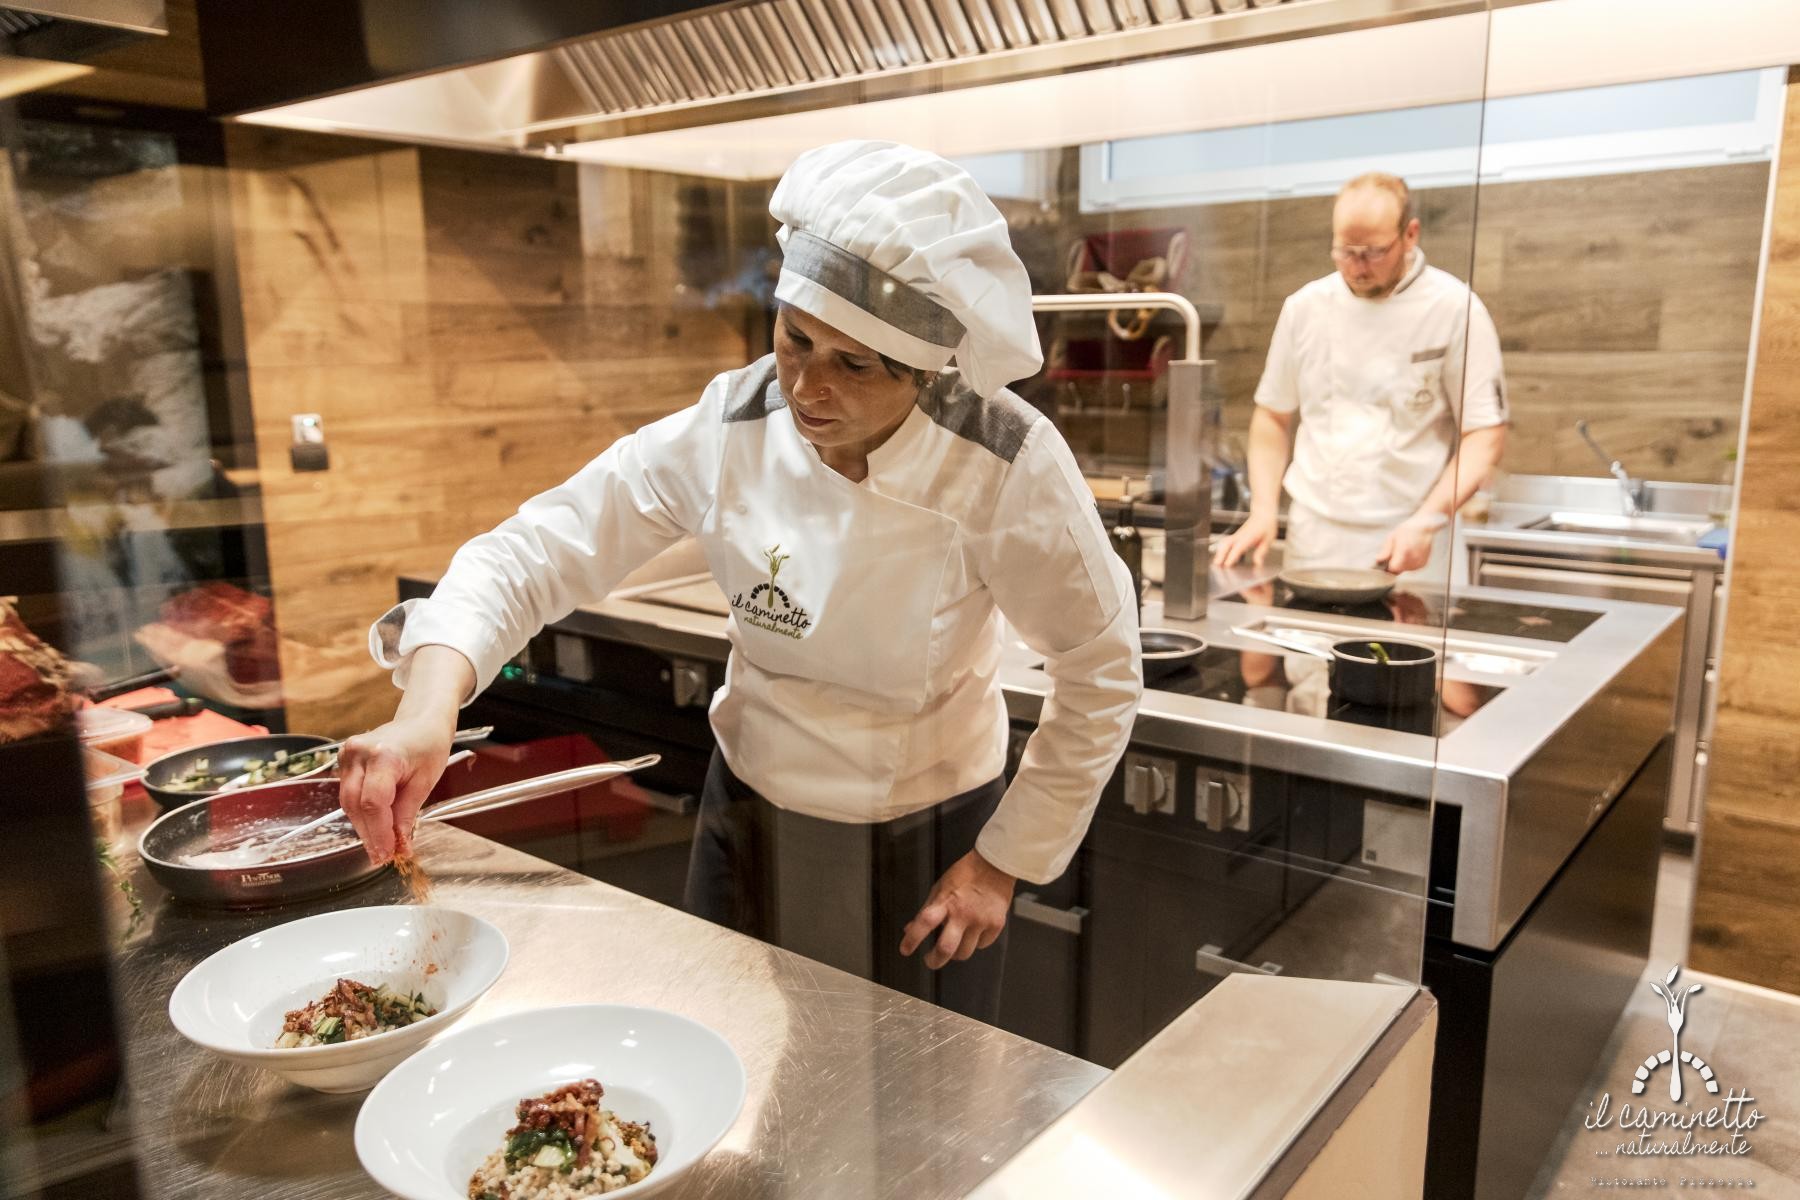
1657 125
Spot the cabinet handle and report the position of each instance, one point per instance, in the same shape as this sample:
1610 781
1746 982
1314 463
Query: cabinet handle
684 805
1027 907
1208 960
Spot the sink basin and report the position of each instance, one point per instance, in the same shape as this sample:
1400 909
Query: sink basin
1653 529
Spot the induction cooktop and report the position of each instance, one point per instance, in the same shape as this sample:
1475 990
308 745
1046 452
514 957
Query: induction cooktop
1300 683
1431 607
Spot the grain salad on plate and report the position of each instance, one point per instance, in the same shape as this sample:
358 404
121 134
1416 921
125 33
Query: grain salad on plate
565 1146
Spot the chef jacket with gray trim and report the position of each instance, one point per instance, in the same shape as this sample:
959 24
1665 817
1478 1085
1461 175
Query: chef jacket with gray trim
1382 388
865 632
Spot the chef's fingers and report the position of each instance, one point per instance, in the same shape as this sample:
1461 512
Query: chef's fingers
350 787
407 803
920 927
971 942
948 943
991 934
422 776
1262 552
380 781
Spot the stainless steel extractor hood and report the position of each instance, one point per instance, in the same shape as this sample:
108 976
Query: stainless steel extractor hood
73 30
719 64
45 42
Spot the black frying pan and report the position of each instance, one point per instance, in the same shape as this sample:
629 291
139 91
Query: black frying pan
1167 651
229 758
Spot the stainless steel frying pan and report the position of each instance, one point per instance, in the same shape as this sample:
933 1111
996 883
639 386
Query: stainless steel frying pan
221 822
1339 585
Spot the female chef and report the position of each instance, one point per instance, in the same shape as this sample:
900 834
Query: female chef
869 512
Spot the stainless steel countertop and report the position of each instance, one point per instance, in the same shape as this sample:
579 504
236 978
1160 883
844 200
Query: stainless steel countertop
854 1090
1525 499
1162 1126
1531 769
1505 530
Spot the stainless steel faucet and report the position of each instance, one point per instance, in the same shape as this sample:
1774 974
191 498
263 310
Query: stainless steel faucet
1631 491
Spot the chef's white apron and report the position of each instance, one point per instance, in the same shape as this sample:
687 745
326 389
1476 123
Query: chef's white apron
1316 540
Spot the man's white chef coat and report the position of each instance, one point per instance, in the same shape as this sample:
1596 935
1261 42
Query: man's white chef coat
1380 386
862 683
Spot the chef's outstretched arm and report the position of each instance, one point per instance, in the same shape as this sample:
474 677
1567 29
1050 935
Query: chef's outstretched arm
1270 446
1408 546
1054 575
565 547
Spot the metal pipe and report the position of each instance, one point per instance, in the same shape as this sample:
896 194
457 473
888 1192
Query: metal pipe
1114 301
1187 486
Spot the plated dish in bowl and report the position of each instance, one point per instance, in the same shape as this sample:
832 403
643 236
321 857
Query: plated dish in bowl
566 1144
360 989
501 1105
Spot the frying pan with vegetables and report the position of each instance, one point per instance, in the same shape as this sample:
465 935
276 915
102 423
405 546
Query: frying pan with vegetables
184 775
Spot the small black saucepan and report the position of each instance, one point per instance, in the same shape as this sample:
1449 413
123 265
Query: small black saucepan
1377 672
217 825
228 758
1384 674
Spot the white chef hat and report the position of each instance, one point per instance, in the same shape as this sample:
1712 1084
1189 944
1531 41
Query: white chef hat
901 250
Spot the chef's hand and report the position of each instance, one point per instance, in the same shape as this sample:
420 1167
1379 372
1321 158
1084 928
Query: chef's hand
1408 547
970 902
1253 537
386 774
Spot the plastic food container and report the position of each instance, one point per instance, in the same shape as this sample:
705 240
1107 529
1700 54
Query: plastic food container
113 731
107 776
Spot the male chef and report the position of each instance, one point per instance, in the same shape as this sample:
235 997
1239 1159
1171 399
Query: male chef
1391 369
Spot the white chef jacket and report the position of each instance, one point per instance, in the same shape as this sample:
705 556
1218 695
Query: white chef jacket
862 682
1384 388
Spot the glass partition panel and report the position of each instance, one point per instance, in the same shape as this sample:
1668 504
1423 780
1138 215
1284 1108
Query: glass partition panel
979 543
1621 234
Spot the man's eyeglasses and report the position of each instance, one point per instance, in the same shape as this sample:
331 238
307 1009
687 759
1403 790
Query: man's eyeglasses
1362 254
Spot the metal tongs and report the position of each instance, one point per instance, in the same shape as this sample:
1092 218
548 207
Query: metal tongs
486 800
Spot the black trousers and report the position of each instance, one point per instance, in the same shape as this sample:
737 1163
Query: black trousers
841 893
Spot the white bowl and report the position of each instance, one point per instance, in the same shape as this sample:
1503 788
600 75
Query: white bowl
430 1123
234 1002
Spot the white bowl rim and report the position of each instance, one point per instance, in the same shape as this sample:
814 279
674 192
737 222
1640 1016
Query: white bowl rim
363 1119
338 1053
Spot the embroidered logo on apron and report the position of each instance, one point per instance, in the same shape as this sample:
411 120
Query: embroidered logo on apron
767 605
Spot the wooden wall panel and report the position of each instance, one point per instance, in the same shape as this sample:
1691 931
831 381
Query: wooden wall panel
465 350
1746 922
1625 299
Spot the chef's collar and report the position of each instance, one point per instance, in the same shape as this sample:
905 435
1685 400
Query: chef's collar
1415 267
900 444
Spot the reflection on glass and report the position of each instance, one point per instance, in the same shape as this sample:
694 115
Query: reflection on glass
1384 378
